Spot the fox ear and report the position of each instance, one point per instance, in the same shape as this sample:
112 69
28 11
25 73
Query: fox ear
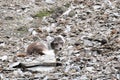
49 39
62 38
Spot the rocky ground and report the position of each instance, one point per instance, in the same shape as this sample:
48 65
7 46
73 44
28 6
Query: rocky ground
91 29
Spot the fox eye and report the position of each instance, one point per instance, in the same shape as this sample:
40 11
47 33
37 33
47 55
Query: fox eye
60 48
61 42
55 43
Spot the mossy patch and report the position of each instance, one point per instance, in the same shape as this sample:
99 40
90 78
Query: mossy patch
21 31
21 28
43 13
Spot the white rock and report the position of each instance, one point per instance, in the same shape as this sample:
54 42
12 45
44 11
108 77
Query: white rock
83 77
46 78
2 44
14 64
68 29
108 70
108 2
90 69
4 58
118 76
28 60
48 57
117 14
68 11
27 73
30 29
96 7
48 29
32 0
88 43
29 18
34 33
50 1
82 6
67 68
53 25
18 73
1 76
42 69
